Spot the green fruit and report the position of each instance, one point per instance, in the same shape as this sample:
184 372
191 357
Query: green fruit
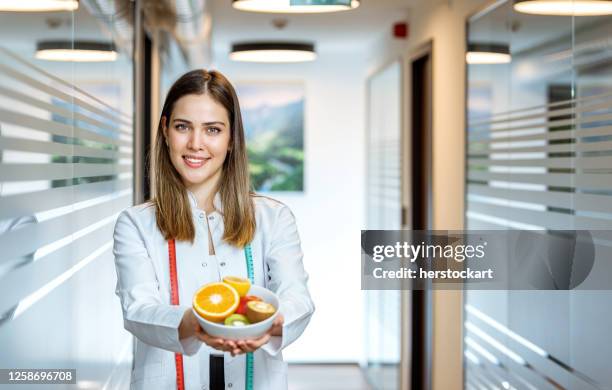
236 320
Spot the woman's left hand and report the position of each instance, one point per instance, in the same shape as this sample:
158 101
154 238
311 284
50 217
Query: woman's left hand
245 346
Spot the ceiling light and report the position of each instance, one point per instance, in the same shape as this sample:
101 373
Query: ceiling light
78 51
38 5
564 7
273 52
295 6
487 53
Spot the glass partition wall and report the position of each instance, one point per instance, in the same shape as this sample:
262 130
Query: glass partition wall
66 127
539 156
383 307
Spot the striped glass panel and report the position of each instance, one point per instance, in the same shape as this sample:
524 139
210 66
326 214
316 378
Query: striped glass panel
539 156
66 131
384 212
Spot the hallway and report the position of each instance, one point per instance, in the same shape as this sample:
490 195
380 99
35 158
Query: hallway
373 124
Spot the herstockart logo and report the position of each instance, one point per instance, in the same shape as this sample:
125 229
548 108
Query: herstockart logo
486 260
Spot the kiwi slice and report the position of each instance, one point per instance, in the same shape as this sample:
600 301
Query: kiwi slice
257 311
236 320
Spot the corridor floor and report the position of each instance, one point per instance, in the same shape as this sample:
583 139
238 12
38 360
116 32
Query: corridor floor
326 377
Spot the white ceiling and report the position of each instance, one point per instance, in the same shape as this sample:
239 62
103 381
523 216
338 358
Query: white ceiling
333 31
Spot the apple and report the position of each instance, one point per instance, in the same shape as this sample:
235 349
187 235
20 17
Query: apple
243 303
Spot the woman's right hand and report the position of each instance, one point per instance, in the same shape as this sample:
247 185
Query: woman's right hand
217 343
191 327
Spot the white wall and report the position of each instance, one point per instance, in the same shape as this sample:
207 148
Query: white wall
443 22
330 212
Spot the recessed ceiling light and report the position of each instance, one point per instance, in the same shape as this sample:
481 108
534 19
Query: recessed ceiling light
564 7
38 5
487 53
78 51
273 52
295 6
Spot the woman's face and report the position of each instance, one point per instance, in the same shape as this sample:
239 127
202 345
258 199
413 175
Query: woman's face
198 134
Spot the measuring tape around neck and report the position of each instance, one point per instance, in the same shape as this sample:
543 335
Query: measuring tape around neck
180 378
174 300
248 255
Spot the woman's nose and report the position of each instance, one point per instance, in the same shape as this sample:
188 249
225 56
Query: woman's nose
196 140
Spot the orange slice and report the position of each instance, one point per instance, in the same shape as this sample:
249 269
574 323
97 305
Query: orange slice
216 301
241 285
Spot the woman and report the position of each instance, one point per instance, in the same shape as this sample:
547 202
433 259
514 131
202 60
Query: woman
196 228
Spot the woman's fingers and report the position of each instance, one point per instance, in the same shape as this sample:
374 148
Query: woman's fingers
235 347
242 346
230 344
253 345
259 342
277 326
279 320
216 342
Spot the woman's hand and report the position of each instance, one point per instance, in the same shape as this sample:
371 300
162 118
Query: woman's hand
217 343
245 346
277 326
190 327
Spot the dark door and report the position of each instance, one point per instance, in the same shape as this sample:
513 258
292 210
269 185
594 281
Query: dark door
421 216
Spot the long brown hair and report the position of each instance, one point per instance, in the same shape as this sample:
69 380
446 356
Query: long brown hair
172 207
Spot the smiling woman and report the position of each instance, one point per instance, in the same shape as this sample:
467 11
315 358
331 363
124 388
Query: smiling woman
203 225
201 119
198 136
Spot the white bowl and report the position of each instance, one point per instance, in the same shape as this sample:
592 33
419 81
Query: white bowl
251 331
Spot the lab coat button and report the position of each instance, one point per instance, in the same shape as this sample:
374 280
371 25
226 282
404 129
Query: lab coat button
204 264
211 217
203 387
201 215
222 264
229 385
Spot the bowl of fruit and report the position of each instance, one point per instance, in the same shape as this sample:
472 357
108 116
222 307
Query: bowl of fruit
234 309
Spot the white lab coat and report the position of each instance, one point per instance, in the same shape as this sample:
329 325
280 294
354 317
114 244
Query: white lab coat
143 286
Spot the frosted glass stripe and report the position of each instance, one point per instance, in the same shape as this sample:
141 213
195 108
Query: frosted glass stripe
474 223
578 123
547 107
29 203
480 149
31 299
52 108
35 235
572 201
548 162
55 148
28 278
552 179
544 219
118 115
550 135
545 115
57 171
56 128
61 95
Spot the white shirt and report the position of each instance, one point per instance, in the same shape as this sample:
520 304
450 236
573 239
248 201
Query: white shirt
143 286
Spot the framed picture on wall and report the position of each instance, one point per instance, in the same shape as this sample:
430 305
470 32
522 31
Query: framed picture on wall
273 115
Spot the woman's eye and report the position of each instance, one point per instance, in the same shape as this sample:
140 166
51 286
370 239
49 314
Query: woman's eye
214 130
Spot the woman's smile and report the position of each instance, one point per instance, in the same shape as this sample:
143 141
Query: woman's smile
195 162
